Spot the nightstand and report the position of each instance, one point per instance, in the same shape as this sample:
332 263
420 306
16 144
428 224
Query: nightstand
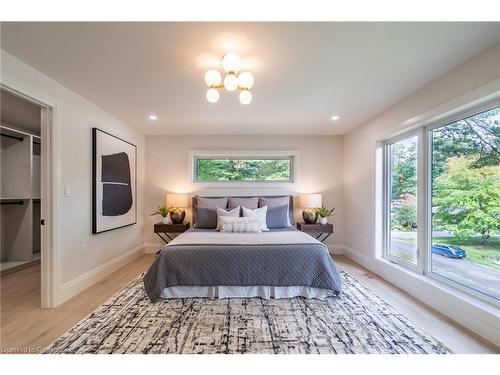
319 231
163 230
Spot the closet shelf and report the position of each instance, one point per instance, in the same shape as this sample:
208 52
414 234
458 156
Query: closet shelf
15 199
19 202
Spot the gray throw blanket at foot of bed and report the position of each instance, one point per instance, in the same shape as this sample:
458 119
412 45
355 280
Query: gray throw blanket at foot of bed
209 264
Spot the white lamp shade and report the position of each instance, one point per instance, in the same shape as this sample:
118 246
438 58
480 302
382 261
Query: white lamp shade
245 80
231 62
213 95
245 97
310 200
213 78
177 200
231 82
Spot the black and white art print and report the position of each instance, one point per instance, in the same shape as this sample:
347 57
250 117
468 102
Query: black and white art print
114 182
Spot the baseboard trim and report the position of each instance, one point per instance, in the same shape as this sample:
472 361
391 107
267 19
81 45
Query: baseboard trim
475 316
335 249
82 282
152 247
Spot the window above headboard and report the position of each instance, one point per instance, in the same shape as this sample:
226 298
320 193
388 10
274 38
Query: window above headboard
243 167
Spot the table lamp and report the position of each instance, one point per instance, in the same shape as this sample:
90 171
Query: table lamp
310 202
175 202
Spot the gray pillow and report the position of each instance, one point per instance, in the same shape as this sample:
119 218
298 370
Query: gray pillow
277 217
251 202
276 202
212 202
206 218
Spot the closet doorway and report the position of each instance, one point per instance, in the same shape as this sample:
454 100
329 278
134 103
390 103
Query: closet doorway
24 186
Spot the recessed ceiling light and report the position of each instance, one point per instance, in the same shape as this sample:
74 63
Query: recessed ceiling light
334 118
153 117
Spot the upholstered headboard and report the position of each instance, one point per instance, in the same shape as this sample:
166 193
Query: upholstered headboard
290 204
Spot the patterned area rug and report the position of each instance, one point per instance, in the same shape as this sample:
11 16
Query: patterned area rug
358 322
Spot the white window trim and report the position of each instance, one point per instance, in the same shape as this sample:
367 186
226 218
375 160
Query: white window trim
387 201
194 154
424 125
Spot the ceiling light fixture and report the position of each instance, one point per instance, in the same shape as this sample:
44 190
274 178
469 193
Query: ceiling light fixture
334 118
153 117
231 63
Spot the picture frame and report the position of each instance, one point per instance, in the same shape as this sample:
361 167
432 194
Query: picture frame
114 182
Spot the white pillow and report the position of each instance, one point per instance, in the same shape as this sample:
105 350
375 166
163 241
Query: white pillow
259 213
240 224
221 212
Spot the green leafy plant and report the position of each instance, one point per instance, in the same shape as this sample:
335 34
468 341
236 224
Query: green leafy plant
163 211
325 212
467 199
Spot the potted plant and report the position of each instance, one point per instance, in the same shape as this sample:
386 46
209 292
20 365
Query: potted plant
324 213
163 211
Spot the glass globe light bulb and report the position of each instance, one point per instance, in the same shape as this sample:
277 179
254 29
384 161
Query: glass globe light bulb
245 97
213 78
213 95
231 82
231 62
245 80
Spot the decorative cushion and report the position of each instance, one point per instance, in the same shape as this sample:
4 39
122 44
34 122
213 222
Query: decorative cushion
220 212
251 202
206 218
240 224
212 202
276 202
277 217
259 213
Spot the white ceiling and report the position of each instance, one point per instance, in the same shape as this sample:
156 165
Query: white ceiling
19 113
304 72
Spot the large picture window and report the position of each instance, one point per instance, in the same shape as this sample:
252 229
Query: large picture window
466 202
456 225
244 169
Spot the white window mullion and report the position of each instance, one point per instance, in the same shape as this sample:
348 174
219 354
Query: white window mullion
422 194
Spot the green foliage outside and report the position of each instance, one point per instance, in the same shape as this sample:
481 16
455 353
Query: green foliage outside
405 217
404 169
243 170
467 198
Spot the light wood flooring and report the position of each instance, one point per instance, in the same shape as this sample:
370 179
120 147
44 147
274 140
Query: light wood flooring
25 327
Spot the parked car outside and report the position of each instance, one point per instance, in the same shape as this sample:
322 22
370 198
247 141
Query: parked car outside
449 251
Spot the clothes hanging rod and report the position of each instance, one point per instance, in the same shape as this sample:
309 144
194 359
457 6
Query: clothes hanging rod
20 139
20 203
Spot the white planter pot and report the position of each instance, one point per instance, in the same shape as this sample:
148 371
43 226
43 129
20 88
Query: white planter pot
166 220
323 220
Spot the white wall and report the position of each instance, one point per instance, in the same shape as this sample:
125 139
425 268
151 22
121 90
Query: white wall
76 117
359 156
319 169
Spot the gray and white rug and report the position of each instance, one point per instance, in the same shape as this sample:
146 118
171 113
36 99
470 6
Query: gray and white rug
358 322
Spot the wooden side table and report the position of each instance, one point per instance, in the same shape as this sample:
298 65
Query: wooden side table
319 231
164 230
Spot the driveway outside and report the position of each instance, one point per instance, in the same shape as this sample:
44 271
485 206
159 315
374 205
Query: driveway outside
476 276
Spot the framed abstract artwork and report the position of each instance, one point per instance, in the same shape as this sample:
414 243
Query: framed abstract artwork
114 187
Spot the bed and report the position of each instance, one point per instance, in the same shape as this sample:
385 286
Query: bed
280 263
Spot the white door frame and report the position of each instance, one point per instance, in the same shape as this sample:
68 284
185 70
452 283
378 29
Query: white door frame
50 255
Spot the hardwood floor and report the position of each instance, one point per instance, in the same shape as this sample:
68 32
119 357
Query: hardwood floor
26 328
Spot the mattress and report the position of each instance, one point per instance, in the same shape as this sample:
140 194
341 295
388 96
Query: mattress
274 264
